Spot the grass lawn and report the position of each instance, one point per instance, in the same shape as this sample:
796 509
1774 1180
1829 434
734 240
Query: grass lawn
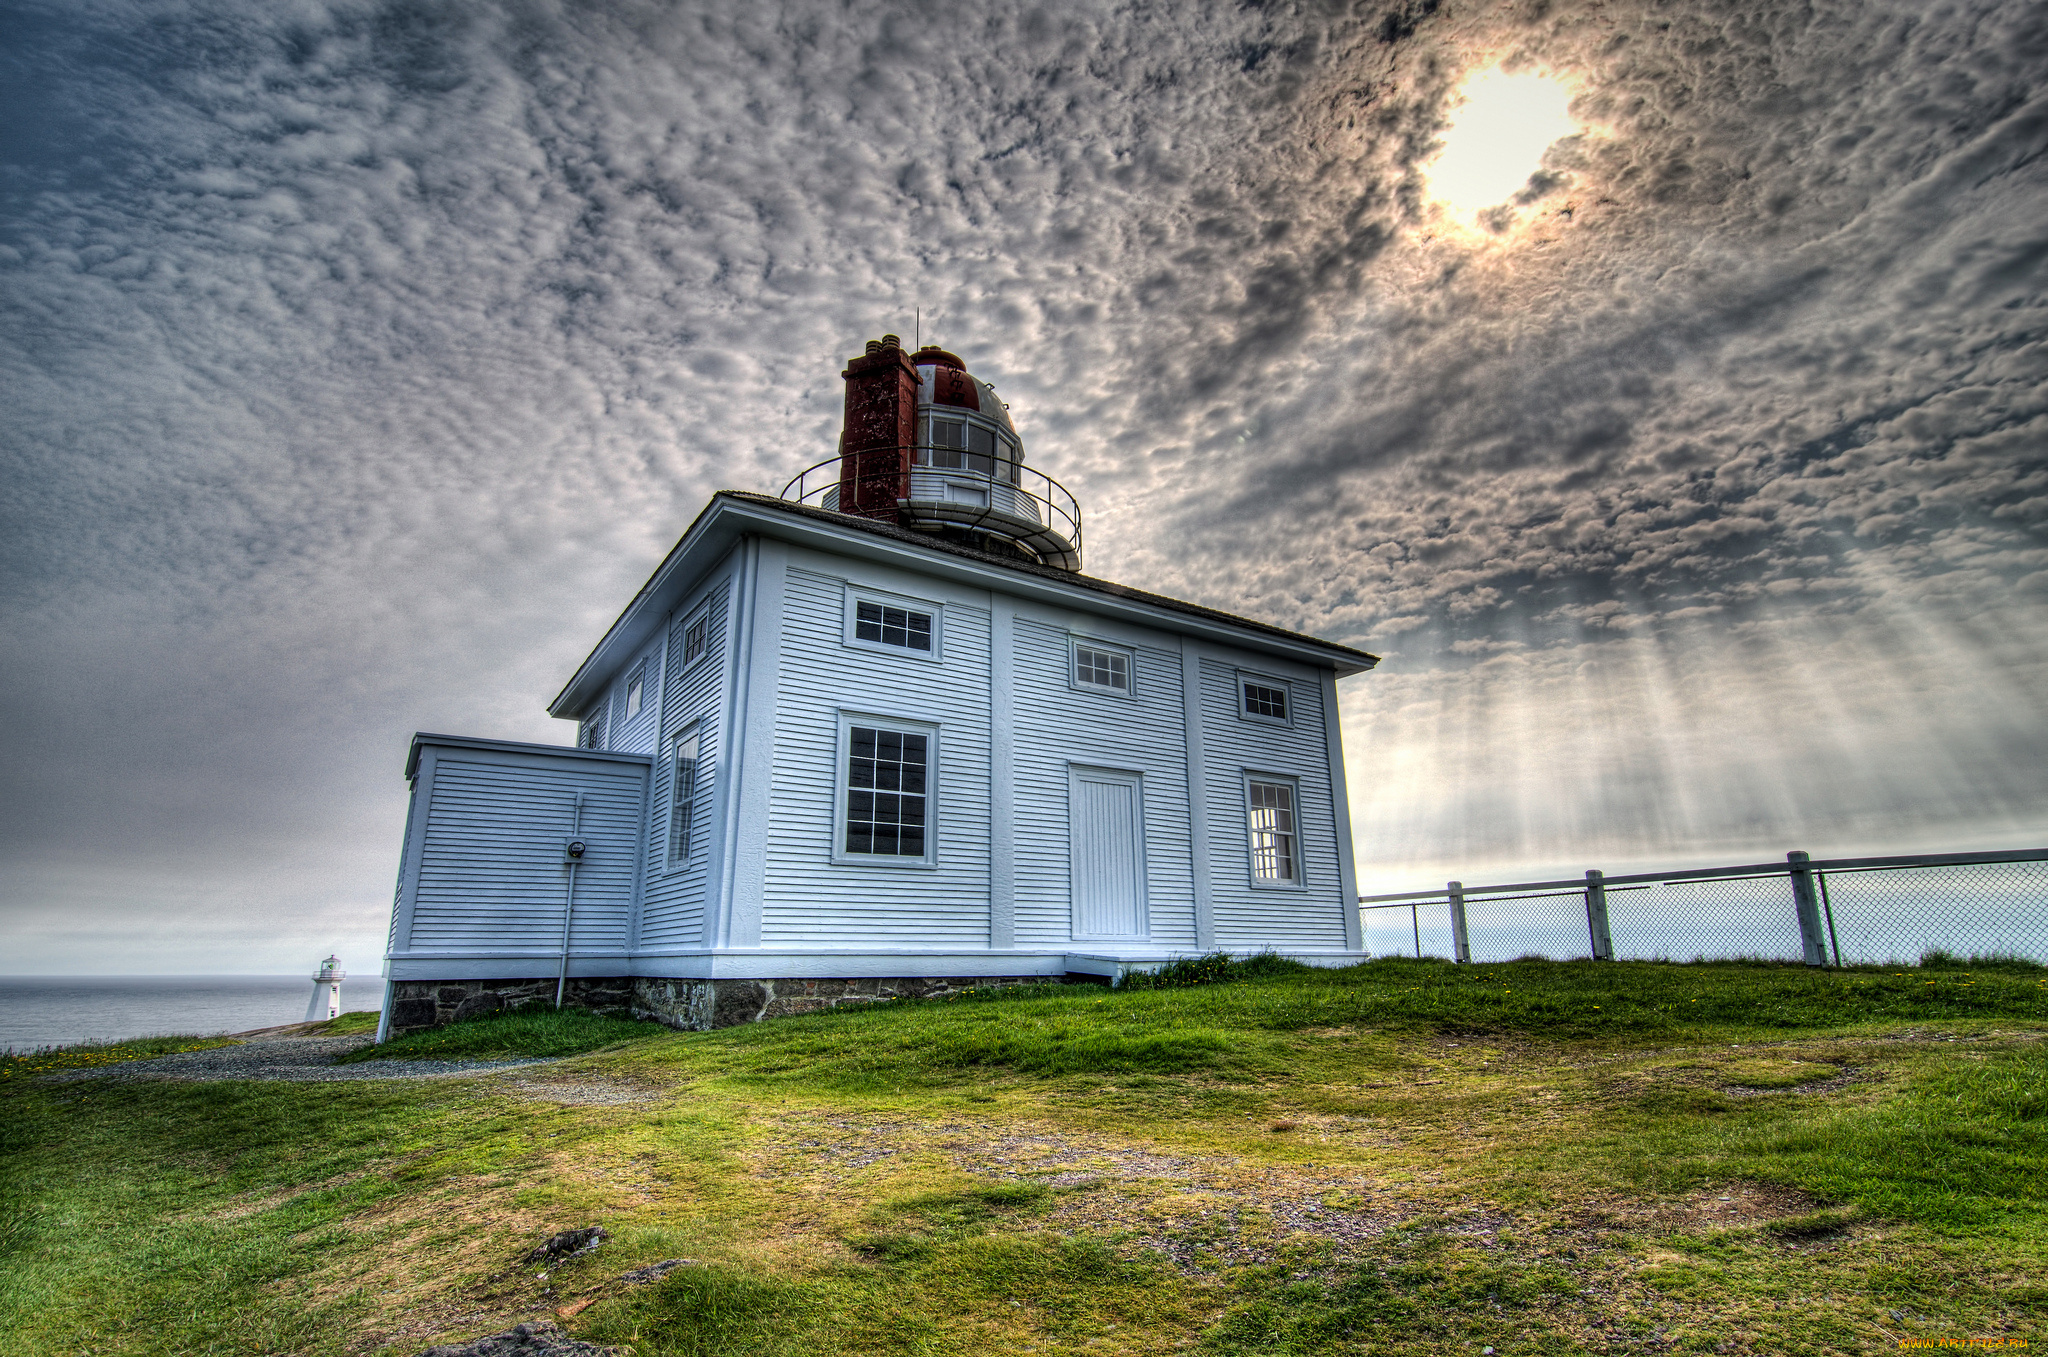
1396 1158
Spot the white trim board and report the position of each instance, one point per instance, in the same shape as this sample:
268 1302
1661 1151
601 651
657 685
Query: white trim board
819 964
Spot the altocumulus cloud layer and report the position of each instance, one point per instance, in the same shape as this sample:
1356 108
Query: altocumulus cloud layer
359 360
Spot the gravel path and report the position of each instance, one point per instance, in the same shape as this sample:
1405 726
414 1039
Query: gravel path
264 1055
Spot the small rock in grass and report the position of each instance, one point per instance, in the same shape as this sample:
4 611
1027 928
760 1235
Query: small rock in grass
654 1272
543 1339
568 1244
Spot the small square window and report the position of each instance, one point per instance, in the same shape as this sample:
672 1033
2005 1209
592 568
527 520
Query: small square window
1275 852
1265 699
1102 668
884 625
695 639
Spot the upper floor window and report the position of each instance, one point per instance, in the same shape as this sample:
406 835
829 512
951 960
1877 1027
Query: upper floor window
695 638
1102 668
593 730
636 692
1262 699
904 627
895 624
1276 858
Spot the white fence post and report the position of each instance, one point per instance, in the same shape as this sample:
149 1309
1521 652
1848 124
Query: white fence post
1807 904
1461 942
1596 915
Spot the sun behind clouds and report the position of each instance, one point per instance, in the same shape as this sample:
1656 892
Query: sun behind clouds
1496 140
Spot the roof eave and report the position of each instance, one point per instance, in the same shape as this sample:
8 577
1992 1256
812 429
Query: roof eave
733 514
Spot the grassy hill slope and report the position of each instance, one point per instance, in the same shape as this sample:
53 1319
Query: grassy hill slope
1535 1157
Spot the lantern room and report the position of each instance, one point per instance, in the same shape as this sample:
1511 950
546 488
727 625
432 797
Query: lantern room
928 446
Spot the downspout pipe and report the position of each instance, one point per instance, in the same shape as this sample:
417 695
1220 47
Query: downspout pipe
569 904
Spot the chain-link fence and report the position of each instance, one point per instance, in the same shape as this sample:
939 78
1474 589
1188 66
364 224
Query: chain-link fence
1841 912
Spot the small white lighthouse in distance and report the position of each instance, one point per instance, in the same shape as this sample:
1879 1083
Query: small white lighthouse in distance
326 992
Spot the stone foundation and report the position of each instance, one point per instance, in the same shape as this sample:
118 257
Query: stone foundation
701 1005
417 1005
690 1005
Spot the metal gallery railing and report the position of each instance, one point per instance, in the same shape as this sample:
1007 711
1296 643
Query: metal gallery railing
1007 495
1834 912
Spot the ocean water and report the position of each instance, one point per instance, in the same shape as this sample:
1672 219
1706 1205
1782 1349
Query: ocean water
60 1010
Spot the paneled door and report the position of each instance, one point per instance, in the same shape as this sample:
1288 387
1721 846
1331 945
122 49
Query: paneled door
1106 825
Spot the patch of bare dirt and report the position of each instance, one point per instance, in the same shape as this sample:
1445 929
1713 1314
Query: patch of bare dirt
584 1090
1850 1074
1731 1206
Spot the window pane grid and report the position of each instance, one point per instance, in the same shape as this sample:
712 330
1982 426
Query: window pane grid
693 640
683 795
885 797
1103 668
1262 699
959 446
1272 832
892 626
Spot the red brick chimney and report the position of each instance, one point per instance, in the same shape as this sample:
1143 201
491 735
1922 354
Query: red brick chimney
881 425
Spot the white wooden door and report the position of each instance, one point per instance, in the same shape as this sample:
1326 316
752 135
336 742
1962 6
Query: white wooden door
1106 825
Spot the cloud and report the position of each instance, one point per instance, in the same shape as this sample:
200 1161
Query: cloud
362 358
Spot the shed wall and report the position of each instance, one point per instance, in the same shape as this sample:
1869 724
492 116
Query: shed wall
492 876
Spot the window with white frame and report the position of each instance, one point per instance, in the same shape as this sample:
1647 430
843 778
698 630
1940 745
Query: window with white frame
893 624
886 799
1100 666
685 794
884 625
696 638
1275 848
636 692
1262 699
593 730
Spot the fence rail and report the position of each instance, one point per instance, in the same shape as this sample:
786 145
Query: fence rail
1836 911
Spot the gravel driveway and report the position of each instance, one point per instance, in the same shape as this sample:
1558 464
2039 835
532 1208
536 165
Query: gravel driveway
270 1055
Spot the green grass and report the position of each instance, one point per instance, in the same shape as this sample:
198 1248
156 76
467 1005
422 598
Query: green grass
347 1024
1536 1156
531 1031
17 1065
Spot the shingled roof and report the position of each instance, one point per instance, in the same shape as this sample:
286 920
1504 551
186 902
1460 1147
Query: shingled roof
1101 586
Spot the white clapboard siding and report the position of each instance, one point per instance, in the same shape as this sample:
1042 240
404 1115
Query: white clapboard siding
808 899
1249 917
635 734
1058 727
492 874
412 805
672 915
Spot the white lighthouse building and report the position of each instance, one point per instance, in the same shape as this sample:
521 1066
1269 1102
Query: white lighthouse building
876 736
326 1001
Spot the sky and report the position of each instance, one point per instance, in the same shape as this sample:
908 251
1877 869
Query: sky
359 360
